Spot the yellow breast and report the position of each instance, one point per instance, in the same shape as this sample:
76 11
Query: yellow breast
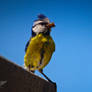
33 53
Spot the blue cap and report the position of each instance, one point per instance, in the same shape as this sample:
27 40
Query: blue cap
41 16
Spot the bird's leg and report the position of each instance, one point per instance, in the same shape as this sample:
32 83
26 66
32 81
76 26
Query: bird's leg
30 70
29 67
41 71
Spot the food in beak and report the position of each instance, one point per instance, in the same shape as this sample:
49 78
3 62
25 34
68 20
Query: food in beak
51 25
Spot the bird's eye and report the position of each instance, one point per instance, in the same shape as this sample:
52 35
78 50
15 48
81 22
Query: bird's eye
44 23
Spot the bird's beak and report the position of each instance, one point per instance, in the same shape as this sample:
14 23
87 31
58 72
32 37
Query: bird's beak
51 25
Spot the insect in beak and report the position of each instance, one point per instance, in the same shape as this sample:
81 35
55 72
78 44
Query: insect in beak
51 25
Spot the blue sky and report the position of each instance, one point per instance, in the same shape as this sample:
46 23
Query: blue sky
71 64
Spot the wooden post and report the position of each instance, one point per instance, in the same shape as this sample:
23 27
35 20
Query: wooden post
14 78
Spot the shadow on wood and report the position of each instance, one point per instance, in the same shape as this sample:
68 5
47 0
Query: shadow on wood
14 78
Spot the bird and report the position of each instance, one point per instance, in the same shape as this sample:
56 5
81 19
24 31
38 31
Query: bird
40 47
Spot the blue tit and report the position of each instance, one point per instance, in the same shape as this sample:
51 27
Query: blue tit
40 47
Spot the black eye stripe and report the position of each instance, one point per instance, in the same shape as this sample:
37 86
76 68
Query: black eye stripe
42 23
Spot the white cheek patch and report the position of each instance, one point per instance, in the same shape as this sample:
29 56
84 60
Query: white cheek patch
37 22
39 28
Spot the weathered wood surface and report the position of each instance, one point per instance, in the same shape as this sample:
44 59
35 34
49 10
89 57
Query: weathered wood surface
14 78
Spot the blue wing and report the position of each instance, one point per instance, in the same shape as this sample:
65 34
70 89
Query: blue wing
27 45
